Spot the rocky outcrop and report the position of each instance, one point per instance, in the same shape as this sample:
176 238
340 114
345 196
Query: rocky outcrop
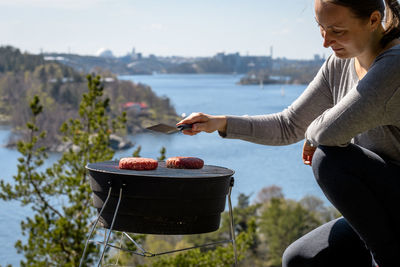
119 143
116 143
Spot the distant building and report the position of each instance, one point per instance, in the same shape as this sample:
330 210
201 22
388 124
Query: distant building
135 106
106 53
219 57
56 58
62 80
233 62
133 55
318 57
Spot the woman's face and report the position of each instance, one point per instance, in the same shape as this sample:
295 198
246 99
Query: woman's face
347 35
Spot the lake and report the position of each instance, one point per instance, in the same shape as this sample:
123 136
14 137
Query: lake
255 166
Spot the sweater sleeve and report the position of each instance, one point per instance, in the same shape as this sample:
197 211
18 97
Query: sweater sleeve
366 106
288 126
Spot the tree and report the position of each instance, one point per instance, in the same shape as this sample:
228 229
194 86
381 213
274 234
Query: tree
269 192
60 195
162 154
282 222
316 206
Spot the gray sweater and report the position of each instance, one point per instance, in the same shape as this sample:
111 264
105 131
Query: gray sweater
337 108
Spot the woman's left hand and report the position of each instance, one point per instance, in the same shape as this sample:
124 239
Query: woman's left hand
308 152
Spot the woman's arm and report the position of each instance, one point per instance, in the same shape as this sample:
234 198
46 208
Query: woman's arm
365 107
281 128
288 126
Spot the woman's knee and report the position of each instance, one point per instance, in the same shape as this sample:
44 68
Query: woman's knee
326 156
329 162
323 162
336 158
292 256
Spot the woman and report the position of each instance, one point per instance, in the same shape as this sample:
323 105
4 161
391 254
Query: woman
350 117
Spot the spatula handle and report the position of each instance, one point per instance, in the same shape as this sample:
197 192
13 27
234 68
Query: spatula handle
184 126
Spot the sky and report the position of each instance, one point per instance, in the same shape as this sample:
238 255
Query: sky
188 28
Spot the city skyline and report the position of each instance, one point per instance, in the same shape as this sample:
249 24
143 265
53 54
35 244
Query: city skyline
163 28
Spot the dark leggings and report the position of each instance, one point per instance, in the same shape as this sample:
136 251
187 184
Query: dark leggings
365 189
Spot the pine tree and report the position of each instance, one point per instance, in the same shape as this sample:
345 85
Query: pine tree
60 195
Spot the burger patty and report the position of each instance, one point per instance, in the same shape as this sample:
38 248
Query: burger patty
184 163
138 164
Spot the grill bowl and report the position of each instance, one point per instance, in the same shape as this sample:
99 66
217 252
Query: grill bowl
161 201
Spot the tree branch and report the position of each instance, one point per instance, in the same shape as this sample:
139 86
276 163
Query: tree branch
35 187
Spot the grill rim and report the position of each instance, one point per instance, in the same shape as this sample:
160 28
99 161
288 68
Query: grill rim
113 164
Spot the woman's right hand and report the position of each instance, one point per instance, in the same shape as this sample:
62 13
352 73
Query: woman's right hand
308 153
203 123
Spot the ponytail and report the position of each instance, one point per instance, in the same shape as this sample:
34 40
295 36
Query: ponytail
392 24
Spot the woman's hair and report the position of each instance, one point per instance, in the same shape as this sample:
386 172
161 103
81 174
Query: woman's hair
364 9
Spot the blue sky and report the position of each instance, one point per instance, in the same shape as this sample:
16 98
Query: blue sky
164 28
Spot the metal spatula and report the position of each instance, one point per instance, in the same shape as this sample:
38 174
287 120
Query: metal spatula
168 129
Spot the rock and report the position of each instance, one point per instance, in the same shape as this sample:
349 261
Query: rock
119 143
116 143
59 148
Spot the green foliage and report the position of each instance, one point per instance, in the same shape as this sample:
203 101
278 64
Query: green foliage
136 152
11 59
317 208
162 154
269 192
60 195
218 257
282 222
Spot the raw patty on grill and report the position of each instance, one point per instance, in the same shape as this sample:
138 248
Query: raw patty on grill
184 163
138 164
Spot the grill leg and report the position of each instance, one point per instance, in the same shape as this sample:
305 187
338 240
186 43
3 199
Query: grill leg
144 252
94 226
232 225
112 225
119 252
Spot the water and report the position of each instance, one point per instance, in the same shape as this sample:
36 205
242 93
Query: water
11 212
255 166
